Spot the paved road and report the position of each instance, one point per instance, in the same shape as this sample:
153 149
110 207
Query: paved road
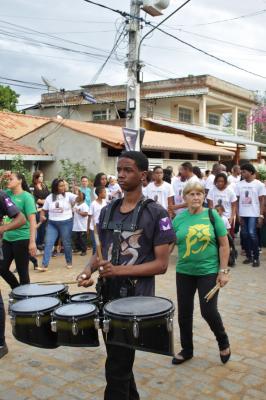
78 373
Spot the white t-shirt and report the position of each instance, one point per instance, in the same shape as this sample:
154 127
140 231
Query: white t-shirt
226 222
80 223
223 197
233 179
249 192
61 208
160 193
95 211
178 186
115 191
209 182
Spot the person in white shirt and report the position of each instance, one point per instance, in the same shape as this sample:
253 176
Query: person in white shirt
236 175
159 190
145 182
216 169
60 222
250 193
115 190
220 209
222 194
94 213
186 175
80 223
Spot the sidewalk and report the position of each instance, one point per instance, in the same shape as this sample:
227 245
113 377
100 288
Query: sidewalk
29 373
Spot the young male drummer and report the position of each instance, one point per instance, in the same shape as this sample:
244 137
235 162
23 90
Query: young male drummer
8 208
143 254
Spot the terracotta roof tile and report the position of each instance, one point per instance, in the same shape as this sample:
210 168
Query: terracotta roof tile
16 125
9 146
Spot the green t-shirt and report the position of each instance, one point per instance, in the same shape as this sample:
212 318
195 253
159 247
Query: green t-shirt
26 204
197 247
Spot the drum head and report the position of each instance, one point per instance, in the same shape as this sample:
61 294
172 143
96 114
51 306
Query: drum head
40 304
139 306
36 290
83 297
75 310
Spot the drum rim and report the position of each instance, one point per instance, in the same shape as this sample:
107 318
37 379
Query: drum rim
21 296
139 317
76 317
34 312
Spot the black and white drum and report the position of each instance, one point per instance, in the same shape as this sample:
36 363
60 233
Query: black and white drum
85 297
37 290
76 325
140 322
31 321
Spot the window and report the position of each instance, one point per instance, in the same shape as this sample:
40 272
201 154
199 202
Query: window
214 119
242 120
99 115
185 115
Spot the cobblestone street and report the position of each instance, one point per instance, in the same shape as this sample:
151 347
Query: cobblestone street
78 373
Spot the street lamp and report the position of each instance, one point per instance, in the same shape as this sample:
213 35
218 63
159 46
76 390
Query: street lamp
155 7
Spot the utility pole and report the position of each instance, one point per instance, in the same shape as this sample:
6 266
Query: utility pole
133 86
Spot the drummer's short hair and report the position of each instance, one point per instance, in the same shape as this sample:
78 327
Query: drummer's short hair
140 159
189 187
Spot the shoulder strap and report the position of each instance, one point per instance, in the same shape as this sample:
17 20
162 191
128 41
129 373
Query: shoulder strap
109 213
212 219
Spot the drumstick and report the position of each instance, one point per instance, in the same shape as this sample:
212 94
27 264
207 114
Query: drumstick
212 292
98 243
56 283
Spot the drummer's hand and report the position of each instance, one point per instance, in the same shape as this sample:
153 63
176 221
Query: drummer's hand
84 279
223 279
106 269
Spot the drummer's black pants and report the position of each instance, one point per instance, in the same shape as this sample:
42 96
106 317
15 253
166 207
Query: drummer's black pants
2 322
119 374
18 251
186 289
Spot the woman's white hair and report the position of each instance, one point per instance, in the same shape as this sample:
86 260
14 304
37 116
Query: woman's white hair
189 187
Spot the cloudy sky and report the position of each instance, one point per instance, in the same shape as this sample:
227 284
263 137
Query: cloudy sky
81 36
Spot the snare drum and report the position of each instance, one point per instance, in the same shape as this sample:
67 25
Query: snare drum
31 321
36 290
85 297
142 323
76 325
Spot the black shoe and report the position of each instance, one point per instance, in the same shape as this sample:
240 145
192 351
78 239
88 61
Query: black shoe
177 361
256 263
3 350
225 358
83 253
35 265
247 261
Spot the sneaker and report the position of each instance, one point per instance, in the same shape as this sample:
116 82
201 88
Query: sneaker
256 263
247 261
54 253
69 266
3 350
42 269
83 253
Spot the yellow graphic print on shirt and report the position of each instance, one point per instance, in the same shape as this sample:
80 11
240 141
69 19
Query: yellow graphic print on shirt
197 239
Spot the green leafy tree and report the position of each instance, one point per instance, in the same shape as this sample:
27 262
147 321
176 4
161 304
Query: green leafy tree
18 165
8 99
72 172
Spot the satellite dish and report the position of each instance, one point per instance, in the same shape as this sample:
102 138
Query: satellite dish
49 85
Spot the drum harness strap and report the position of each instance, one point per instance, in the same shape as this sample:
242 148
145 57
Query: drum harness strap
114 287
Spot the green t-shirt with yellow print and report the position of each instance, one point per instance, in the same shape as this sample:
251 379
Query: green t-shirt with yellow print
197 247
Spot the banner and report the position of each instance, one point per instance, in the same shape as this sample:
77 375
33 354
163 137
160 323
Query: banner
130 138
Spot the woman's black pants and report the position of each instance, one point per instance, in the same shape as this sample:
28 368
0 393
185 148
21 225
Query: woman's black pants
18 251
2 322
186 289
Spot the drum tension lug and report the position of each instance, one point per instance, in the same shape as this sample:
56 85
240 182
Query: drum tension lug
135 328
38 320
13 320
106 325
75 329
170 322
53 326
97 323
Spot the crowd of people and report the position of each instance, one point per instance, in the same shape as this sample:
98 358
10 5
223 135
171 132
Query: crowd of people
200 212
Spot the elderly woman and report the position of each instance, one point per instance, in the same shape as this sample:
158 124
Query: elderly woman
203 252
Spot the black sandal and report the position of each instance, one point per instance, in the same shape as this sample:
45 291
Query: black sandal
177 361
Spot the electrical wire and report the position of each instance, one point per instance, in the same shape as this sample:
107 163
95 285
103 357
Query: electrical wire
20 81
23 86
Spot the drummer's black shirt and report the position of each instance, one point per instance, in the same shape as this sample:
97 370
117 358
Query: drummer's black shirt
155 228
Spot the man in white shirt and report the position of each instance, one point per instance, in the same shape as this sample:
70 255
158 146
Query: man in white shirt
250 194
159 190
236 175
178 183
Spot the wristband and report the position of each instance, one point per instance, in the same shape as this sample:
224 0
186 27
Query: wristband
225 271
